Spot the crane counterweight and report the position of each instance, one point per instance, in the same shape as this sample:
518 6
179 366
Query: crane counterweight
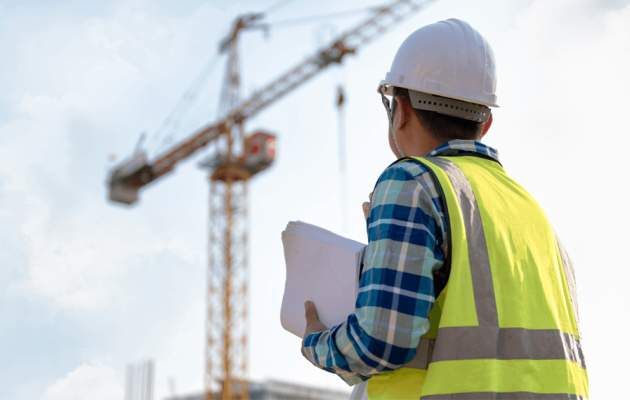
126 180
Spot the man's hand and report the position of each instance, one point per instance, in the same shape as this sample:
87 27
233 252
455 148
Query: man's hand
312 323
366 207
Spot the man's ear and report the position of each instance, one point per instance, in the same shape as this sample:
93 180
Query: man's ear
404 114
486 126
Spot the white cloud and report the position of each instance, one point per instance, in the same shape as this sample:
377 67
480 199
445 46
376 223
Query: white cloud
92 380
77 265
75 250
565 53
80 248
561 129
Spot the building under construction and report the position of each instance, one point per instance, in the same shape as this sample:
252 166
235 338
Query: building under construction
276 390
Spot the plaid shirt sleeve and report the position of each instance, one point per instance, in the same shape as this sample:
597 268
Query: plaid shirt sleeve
406 239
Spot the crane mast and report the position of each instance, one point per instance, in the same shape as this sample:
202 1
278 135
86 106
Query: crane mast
226 296
238 159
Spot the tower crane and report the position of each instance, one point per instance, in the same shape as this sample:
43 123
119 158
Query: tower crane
239 159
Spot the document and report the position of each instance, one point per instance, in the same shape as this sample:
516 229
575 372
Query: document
322 267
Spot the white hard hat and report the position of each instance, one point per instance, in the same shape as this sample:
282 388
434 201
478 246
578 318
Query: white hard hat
449 59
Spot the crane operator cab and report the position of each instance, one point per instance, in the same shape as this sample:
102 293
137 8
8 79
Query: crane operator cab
260 151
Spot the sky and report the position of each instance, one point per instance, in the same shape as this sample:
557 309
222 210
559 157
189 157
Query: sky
87 286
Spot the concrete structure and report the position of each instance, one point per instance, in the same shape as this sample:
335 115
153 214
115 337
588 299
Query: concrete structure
277 390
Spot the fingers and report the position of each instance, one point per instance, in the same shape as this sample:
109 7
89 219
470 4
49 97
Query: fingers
366 206
366 209
312 320
310 312
312 324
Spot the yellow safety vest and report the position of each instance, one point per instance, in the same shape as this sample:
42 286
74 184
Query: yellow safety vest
505 326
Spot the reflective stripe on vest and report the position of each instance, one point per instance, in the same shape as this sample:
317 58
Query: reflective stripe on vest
507 320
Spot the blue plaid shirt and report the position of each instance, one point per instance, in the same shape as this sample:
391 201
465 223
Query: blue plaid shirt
407 243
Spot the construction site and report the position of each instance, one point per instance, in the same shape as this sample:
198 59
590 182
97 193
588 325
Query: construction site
206 200
237 155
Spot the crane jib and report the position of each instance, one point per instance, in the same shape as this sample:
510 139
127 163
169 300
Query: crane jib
127 180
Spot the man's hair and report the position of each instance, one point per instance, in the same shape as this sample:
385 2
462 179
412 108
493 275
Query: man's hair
445 127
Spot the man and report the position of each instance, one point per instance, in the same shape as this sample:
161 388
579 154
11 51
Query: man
466 292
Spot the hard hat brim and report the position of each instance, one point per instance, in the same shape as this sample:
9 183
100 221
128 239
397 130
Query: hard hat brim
389 91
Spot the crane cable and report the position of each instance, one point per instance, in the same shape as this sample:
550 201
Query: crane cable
277 6
341 152
307 20
164 135
170 127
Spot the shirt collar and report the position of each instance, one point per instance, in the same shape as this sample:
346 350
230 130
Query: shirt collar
466 145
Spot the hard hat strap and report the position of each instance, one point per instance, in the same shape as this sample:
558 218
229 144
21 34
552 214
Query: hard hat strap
390 117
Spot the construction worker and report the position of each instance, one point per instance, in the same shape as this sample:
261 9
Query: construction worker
466 292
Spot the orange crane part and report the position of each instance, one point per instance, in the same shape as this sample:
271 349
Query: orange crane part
135 174
226 333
